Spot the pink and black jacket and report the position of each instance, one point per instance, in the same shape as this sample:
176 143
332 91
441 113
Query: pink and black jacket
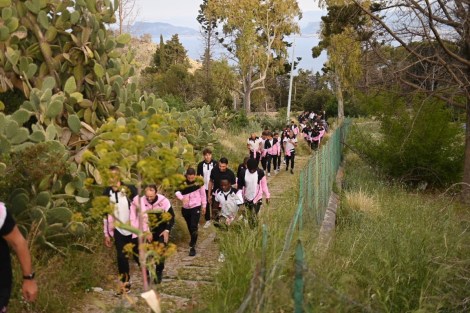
194 194
157 207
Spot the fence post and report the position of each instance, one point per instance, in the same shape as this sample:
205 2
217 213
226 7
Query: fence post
299 279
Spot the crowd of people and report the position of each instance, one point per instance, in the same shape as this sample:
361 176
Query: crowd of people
211 190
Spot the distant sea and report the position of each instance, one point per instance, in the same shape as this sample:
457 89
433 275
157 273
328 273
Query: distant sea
303 49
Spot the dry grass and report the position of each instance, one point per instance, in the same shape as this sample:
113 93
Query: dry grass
360 201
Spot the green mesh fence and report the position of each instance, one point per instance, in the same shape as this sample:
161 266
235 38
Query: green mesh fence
318 176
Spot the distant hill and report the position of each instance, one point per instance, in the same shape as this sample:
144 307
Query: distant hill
155 29
311 28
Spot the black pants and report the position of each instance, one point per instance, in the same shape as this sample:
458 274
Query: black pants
274 160
258 155
290 158
263 162
269 159
207 216
314 145
5 293
123 262
252 210
160 265
278 158
191 216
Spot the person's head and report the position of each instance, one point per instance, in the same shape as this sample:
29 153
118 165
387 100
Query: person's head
253 136
223 164
269 135
292 122
276 135
190 174
264 134
207 153
225 184
151 192
114 175
252 165
245 160
291 133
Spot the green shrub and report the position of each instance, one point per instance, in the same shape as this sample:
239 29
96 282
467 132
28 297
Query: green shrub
417 140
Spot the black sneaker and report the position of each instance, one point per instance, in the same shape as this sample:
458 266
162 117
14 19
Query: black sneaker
192 251
287 168
291 171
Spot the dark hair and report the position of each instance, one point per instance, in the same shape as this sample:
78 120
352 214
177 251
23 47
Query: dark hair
151 186
206 151
190 171
246 159
252 164
223 160
114 168
275 133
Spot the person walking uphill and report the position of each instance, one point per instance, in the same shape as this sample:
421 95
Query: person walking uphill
158 220
217 174
290 142
194 200
120 196
254 185
254 147
204 169
11 235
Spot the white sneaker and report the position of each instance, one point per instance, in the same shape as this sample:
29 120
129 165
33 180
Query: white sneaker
269 174
207 224
221 258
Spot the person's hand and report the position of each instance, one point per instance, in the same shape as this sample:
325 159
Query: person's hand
185 201
30 290
209 198
203 211
149 237
107 242
166 235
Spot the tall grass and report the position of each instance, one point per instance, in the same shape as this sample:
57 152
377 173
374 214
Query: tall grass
412 257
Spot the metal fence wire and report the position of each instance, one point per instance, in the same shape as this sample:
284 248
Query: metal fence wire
318 176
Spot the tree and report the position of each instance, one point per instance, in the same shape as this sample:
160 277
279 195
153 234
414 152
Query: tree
127 13
254 34
343 29
443 24
167 54
209 33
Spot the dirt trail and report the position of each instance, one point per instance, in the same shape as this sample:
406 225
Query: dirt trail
183 275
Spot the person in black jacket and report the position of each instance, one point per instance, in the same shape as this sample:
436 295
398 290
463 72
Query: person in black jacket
204 169
217 174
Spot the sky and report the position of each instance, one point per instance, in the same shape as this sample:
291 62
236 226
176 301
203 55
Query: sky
184 12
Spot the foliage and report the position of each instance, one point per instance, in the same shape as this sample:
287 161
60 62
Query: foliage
61 57
253 33
418 141
317 100
168 54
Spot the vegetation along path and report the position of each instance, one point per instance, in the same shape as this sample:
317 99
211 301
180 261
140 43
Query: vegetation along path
185 278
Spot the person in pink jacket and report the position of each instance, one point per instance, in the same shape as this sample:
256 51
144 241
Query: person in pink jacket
158 219
253 185
193 196
120 197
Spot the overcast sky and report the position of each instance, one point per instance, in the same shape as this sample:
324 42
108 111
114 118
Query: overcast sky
184 12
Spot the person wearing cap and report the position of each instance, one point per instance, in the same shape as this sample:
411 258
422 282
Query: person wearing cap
193 197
